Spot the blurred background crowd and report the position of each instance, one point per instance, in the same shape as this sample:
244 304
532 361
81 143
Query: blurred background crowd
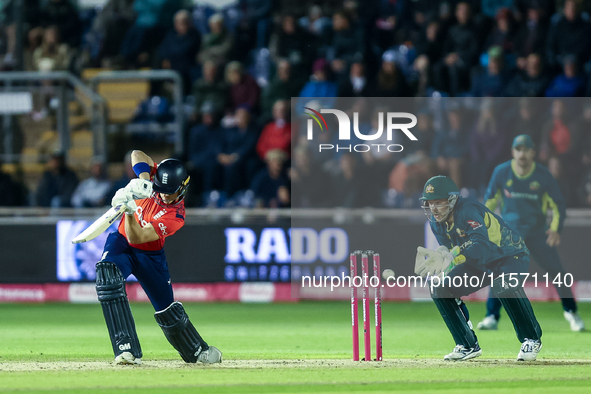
241 62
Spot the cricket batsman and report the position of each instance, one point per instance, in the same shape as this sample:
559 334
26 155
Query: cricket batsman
525 191
154 210
478 248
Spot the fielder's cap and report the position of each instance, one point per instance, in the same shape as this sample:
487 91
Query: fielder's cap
523 140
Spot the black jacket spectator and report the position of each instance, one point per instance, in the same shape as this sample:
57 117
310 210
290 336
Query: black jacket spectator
57 184
284 86
531 83
179 48
570 36
291 42
531 37
210 89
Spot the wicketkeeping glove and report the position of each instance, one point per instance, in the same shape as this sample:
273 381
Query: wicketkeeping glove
139 188
433 262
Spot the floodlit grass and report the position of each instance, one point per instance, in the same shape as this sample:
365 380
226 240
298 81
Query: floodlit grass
284 348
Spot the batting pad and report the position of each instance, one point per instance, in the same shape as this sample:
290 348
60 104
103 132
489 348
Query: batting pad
110 288
454 318
518 309
180 332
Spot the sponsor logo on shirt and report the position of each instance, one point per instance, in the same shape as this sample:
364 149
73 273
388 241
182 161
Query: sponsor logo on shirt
526 196
474 224
162 228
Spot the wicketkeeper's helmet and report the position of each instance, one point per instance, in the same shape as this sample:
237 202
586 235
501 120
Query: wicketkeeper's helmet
440 187
171 177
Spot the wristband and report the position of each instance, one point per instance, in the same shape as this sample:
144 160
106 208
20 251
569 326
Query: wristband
141 167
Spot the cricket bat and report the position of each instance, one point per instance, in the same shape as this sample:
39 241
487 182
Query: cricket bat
100 225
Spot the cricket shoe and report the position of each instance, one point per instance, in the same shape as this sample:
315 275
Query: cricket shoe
210 356
576 323
126 358
488 323
461 353
529 350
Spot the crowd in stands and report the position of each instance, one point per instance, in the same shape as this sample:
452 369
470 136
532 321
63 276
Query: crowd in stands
240 66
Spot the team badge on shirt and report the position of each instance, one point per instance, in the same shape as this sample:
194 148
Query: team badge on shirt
461 232
535 185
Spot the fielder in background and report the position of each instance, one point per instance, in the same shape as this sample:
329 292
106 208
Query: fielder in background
154 210
525 190
474 244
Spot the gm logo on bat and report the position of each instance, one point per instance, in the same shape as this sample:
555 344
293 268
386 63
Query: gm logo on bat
345 130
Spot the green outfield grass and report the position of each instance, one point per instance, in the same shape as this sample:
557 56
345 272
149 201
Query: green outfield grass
284 348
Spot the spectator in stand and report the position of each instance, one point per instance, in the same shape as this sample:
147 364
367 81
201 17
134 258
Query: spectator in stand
270 185
237 155
210 88
291 42
154 18
451 145
308 181
460 53
545 7
347 42
52 55
57 184
531 38
571 35
92 191
316 24
391 81
493 81
31 15
503 34
179 48
318 86
488 144
14 194
558 135
531 83
204 143
111 23
276 134
528 121
429 51
63 13
356 83
569 83
217 45
34 41
284 86
243 88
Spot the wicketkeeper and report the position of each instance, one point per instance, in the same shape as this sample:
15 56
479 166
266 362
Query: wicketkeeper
474 244
154 210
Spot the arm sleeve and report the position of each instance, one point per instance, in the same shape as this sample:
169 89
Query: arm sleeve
493 196
554 201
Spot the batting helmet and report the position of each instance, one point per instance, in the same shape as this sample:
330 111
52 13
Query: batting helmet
171 177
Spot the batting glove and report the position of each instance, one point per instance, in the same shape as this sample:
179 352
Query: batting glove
121 197
139 188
